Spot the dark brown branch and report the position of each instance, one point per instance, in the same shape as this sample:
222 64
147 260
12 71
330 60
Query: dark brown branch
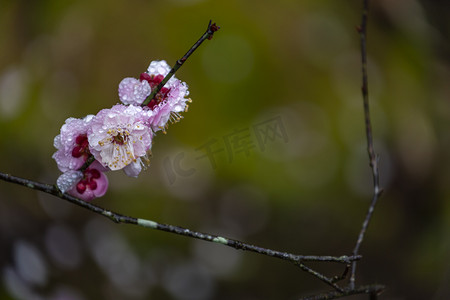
119 218
372 290
373 158
325 279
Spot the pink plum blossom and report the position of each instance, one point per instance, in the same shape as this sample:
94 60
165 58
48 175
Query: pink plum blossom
92 184
119 136
170 100
72 144
133 91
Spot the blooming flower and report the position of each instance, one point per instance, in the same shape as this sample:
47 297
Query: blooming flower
92 184
170 100
133 91
72 144
119 136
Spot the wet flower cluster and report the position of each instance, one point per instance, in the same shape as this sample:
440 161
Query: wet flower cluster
118 138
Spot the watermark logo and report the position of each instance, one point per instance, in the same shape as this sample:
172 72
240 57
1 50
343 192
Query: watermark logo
241 141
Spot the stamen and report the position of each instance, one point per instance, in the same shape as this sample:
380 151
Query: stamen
145 160
163 129
175 117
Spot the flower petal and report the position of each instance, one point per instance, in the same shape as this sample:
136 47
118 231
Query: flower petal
68 180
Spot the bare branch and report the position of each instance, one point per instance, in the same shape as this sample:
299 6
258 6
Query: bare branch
325 279
372 290
373 158
119 218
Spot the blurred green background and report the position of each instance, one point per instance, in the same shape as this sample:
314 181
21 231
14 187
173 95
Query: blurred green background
286 68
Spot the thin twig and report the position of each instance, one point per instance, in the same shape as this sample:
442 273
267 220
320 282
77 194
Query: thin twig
207 35
119 218
371 290
342 276
362 29
325 279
